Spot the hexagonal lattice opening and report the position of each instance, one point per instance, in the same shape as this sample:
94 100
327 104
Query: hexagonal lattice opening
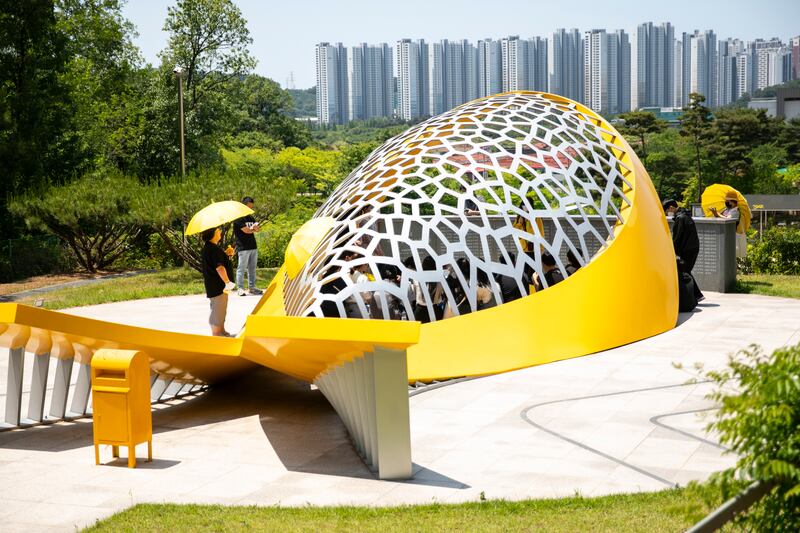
465 211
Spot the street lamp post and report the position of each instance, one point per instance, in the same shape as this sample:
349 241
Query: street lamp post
180 73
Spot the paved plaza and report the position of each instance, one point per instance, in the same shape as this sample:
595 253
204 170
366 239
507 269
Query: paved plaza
623 420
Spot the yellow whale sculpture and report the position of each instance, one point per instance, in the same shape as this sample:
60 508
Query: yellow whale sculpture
528 156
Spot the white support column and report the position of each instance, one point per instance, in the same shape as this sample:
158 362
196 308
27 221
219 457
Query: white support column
367 374
391 413
370 394
83 387
158 388
58 400
16 365
172 390
41 367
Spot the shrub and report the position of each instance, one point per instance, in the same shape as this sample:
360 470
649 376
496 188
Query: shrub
33 256
275 235
760 422
777 252
166 207
91 215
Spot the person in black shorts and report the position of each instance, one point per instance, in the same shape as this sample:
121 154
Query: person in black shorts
244 229
217 273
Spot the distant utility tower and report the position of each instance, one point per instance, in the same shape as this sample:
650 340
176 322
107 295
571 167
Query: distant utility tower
290 81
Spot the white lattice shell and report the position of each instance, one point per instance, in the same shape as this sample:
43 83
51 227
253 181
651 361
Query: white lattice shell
408 199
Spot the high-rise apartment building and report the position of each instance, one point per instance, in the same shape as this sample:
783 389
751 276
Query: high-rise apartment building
622 42
537 64
700 66
677 73
515 63
565 65
728 51
490 68
524 64
370 82
453 74
652 65
332 88
606 71
794 50
744 73
768 62
412 77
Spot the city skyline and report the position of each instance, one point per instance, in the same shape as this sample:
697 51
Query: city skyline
609 72
288 47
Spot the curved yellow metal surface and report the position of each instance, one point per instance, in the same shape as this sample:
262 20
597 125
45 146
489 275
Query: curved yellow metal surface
626 293
181 356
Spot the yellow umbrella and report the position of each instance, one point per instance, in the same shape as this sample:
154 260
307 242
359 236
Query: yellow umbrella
217 214
715 195
303 243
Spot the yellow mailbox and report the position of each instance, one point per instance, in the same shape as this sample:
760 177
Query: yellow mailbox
121 402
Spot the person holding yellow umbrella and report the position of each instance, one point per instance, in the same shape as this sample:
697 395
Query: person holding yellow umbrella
736 208
217 269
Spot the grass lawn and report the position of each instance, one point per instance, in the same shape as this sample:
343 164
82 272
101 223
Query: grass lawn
669 510
769 285
167 282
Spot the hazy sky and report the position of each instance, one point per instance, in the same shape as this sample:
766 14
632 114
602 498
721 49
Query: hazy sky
285 32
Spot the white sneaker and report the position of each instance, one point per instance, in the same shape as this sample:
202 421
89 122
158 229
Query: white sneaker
241 292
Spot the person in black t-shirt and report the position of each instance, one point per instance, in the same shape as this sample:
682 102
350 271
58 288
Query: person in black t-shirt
244 229
217 274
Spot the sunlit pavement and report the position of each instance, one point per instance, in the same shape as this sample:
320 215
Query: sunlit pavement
619 421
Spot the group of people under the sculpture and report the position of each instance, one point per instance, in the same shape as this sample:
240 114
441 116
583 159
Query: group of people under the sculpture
429 300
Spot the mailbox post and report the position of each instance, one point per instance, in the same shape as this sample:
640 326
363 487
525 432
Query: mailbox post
121 402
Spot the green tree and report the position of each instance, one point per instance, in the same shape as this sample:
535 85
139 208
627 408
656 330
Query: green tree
103 79
696 124
35 105
209 39
733 135
638 124
266 109
764 177
669 173
789 138
92 215
166 207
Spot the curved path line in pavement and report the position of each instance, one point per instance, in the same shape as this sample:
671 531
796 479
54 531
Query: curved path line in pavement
657 421
524 414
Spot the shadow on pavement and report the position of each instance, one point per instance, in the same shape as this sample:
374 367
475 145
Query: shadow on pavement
301 426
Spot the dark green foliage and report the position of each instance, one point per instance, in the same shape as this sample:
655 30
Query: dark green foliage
305 102
776 252
35 104
276 233
91 215
360 131
265 109
759 419
696 125
33 255
734 133
640 123
166 207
